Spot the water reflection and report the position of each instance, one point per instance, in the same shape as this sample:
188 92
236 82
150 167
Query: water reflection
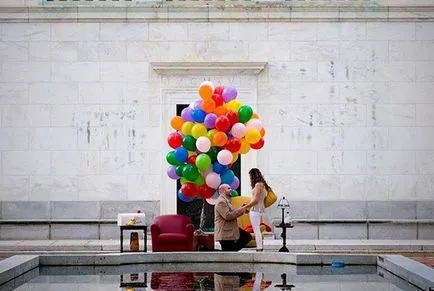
133 281
172 277
208 281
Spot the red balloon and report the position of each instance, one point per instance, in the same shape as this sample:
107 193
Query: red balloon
233 145
222 123
189 190
233 116
218 99
218 90
192 160
258 145
205 192
174 140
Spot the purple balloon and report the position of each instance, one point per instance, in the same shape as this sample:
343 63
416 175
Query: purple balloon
209 120
235 183
197 104
172 173
186 114
229 93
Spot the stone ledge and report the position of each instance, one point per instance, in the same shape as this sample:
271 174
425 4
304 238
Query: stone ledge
208 68
414 272
215 14
215 3
15 266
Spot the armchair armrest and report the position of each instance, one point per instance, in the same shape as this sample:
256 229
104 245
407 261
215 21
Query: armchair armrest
155 229
189 232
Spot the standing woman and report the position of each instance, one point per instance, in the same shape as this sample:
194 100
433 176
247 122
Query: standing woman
259 192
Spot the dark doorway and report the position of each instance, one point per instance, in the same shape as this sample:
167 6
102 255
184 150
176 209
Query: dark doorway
193 209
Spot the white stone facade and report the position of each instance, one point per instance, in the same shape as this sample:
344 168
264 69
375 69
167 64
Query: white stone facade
347 106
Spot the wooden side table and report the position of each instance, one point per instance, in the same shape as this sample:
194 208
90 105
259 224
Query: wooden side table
134 227
203 241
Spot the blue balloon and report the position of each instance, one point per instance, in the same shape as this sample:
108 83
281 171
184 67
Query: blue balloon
183 198
227 177
219 168
198 115
181 154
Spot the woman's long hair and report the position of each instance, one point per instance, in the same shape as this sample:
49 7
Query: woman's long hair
255 177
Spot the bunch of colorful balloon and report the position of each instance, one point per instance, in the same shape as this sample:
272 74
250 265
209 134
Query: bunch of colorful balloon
210 135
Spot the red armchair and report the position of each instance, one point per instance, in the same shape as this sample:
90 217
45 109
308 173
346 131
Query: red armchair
172 233
172 281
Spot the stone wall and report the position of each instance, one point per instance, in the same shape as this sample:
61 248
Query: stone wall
346 105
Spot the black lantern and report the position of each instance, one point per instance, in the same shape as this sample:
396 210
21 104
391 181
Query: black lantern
284 285
284 205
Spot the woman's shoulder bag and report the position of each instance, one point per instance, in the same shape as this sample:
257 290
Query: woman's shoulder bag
270 199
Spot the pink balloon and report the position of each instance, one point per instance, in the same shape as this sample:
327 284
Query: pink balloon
203 144
213 180
238 130
224 157
254 123
213 199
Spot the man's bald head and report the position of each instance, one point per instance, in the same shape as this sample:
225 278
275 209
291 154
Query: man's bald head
224 189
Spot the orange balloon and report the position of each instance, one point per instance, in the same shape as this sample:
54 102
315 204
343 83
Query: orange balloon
208 105
262 132
221 110
220 138
206 89
177 122
255 115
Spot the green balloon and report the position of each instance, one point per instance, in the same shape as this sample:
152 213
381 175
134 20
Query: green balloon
190 172
199 181
170 158
245 113
234 193
183 180
212 153
178 169
189 143
203 161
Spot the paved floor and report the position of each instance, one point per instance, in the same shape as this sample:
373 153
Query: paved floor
427 260
407 247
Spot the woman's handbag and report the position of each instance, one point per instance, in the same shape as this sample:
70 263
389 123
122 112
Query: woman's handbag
270 198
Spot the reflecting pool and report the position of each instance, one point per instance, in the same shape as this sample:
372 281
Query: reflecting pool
212 276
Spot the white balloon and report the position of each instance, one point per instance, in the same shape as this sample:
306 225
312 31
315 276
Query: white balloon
203 144
238 130
224 157
254 123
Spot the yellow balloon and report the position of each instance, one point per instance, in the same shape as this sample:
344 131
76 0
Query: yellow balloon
191 154
252 135
245 146
211 133
198 130
235 157
234 105
186 127
237 104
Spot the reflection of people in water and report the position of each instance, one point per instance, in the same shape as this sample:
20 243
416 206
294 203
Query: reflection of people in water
230 281
256 284
258 281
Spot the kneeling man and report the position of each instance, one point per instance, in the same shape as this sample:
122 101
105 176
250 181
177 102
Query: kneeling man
227 232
